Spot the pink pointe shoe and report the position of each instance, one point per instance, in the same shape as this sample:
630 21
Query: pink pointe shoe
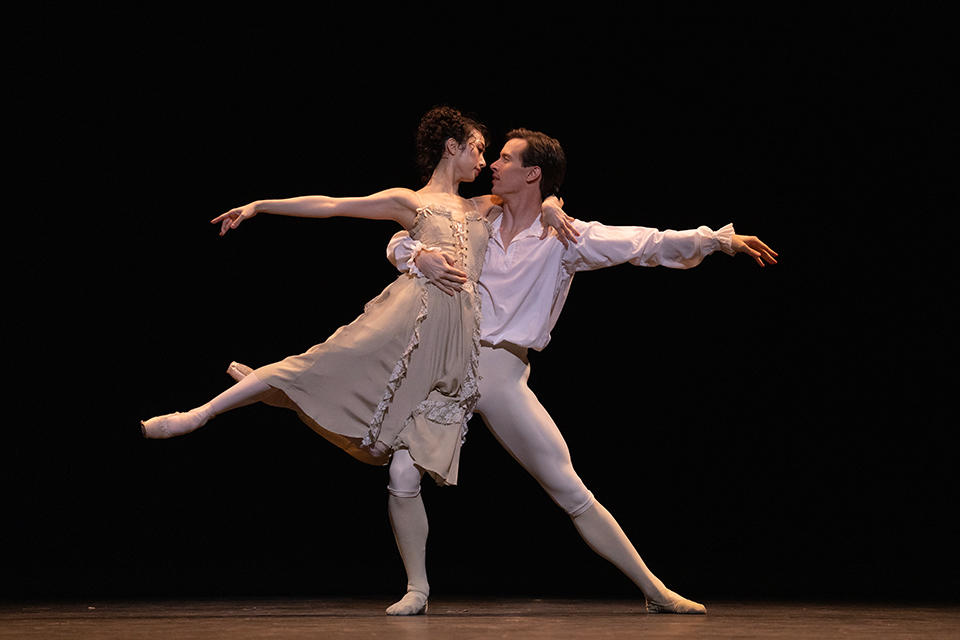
175 424
675 604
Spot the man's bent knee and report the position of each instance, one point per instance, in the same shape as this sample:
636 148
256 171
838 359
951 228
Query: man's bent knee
574 500
569 492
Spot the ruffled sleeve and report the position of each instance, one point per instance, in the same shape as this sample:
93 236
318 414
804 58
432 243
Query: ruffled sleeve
724 236
402 252
601 246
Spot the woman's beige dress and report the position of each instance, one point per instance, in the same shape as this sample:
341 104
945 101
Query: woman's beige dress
404 374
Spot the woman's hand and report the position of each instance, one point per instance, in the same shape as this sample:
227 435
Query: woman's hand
753 247
232 219
553 217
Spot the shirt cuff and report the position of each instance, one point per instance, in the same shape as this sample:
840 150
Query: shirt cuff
724 237
414 252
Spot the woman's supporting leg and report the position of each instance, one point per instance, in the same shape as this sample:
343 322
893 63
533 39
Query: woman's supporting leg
407 517
249 390
410 527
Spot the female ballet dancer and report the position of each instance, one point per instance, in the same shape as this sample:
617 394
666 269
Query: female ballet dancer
400 380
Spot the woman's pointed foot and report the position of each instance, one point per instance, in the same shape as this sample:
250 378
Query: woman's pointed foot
675 603
175 424
413 603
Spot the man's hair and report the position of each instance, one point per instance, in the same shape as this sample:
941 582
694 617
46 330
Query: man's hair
436 127
544 152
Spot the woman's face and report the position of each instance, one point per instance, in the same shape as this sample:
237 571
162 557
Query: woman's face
470 157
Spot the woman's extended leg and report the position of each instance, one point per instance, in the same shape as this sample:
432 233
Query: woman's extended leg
249 390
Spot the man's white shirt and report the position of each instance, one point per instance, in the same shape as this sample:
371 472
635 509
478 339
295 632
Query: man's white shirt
523 288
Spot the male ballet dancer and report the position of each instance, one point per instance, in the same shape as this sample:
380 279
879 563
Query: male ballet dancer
523 287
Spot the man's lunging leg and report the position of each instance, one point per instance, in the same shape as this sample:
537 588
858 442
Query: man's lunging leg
525 429
602 533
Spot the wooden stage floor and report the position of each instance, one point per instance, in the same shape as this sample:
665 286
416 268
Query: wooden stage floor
464 619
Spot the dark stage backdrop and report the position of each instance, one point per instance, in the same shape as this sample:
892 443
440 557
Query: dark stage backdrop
777 432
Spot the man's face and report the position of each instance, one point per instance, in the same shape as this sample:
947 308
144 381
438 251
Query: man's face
508 175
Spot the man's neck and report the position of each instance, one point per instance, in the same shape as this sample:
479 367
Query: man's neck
519 212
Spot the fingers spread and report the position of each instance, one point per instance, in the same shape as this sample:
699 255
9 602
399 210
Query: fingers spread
765 251
757 243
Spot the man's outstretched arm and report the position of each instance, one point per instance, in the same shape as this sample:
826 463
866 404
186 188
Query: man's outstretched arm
602 246
597 246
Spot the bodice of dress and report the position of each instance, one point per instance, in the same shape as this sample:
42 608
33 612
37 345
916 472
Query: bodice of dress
463 236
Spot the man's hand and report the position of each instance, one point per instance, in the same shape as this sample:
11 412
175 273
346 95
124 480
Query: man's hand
755 248
553 217
440 269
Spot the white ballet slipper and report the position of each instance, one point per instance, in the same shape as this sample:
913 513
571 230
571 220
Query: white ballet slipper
175 424
413 603
675 603
238 371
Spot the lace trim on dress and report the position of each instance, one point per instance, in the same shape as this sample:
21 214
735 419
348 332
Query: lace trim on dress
396 377
471 385
458 410
470 389
460 233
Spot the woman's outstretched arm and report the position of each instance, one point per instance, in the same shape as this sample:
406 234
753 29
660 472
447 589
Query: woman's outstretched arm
393 204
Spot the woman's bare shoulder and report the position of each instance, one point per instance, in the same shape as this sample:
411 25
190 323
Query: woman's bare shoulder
401 195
